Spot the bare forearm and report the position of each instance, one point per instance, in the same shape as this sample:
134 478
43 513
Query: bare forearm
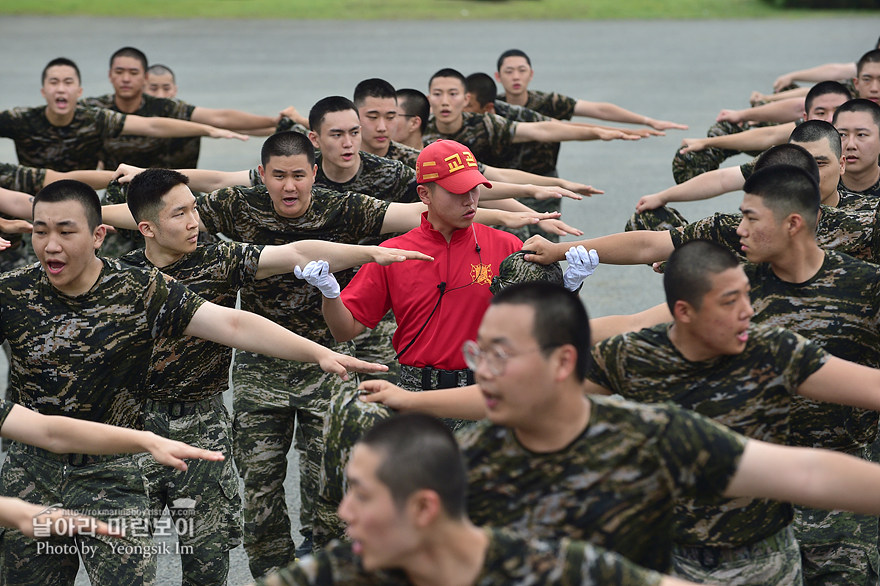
233 119
608 111
277 260
343 326
755 139
456 403
16 204
94 179
119 216
164 127
208 180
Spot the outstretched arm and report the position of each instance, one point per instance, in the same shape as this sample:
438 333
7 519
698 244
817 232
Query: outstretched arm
65 434
835 71
278 260
530 180
170 128
614 113
703 186
31 519
94 179
233 119
556 131
624 248
204 180
456 403
602 328
810 477
845 383
552 225
753 139
248 331
787 110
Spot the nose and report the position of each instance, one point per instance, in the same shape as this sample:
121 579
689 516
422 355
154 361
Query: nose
288 184
193 219
53 243
740 228
749 311
344 510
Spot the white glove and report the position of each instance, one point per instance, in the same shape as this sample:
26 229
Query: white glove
581 265
317 273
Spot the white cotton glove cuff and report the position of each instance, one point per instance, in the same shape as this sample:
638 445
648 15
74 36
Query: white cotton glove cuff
581 265
317 273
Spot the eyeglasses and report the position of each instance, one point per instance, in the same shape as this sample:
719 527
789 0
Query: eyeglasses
496 357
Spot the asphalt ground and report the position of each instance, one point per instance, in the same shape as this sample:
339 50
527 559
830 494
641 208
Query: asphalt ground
684 71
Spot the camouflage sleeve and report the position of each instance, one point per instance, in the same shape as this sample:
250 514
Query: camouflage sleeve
5 408
12 123
178 109
170 305
285 124
335 564
748 168
701 455
606 354
216 210
802 356
254 176
18 178
501 131
585 563
108 123
366 215
244 261
552 104
720 228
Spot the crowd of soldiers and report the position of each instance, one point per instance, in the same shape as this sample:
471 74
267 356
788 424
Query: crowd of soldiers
738 445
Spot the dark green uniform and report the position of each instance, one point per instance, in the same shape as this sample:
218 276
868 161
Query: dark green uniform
5 408
269 394
839 309
510 560
403 153
62 148
184 402
87 357
614 486
148 151
752 394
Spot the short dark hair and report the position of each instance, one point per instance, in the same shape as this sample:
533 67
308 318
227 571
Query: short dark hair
130 52
859 105
159 69
872 56
57 61
449 72
327 105
482 87
418 452
373 88
560 318
816 130
787 189
146 190
415 103
789 154
512 53
824 88
71 190
286 144
688 273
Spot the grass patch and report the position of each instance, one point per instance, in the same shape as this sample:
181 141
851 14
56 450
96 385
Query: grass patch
414 9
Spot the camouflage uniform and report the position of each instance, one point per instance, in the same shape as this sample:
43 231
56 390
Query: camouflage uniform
5 408
752 394
185 403
62 148
285 124
403 153
84 356
871 193
615 485
510 560
148 151
347 419
270 394
549 104
27 180
123 241
838 547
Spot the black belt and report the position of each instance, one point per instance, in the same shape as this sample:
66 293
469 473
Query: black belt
437 378
172 408
69 459
713 556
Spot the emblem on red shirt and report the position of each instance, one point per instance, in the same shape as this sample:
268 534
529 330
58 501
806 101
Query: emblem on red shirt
481 274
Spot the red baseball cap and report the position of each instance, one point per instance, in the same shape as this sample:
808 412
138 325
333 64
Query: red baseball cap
451 165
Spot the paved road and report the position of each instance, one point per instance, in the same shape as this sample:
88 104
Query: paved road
683 71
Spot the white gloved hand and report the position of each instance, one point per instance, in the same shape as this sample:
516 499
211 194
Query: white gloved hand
317 273
581 265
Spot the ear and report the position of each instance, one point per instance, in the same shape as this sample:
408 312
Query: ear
313 136
415 123
424 194
683 311
794 223
99 235
262 172
842 165
489 108
423 508
498 76
147 229
565 361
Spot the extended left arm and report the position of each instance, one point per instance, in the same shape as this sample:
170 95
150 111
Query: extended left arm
614 113
845 383
233 119
277 260
171 128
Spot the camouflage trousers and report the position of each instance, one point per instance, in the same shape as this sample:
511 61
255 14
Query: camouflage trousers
838 547
774 560
374 345
269 397
110 488
689 165
346 421
204 503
